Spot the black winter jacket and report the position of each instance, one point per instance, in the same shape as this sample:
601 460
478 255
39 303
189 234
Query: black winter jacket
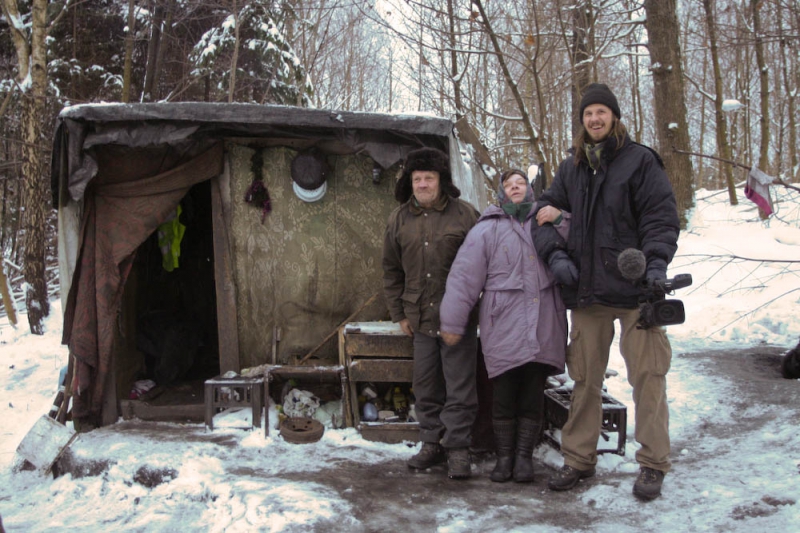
627 203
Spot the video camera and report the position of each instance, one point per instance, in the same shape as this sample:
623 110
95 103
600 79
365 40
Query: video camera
654 308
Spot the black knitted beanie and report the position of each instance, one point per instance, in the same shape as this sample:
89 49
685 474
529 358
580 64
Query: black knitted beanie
599 93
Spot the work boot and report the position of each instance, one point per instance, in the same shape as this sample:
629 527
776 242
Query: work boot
429 455
568 477
504 434
528 432
648 484
458 466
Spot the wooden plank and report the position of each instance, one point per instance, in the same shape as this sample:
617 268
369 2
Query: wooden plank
390 432
173 413
320 374
378 345
227 316
381 370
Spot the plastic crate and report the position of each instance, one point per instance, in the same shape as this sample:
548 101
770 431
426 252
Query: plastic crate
615 418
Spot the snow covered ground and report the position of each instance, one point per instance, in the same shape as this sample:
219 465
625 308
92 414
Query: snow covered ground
736 454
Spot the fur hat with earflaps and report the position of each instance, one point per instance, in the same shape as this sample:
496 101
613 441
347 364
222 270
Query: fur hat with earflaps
425 159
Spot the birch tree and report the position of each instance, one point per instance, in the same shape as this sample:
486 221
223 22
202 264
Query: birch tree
30 38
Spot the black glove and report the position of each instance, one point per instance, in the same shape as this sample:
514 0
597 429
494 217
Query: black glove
656 270
564 270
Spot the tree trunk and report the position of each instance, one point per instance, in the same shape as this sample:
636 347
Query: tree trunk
129 41
791 98
672 129
550 159
235 59
153 53
763 75
454 62
582 21
33 170
723 148
8 300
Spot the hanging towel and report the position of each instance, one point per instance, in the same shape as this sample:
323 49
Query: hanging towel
170 234
757 190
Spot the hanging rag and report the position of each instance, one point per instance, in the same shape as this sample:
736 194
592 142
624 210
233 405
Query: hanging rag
170 234
757 190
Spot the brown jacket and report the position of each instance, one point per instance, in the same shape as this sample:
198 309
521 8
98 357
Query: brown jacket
419 247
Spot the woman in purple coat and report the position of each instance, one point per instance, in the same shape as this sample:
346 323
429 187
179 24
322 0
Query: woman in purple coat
523 322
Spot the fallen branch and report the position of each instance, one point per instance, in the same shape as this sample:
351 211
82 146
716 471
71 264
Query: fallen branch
775 181
752 311
740 257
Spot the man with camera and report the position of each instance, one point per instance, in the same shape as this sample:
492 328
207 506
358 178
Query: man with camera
620 198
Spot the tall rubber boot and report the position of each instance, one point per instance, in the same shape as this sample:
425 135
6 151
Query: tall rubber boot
504 433
528 432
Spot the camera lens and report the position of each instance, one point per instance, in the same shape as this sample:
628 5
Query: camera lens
668 312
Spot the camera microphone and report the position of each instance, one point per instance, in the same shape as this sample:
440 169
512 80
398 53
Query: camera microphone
632 264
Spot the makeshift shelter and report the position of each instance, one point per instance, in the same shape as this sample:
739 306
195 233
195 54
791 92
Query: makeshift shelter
198 238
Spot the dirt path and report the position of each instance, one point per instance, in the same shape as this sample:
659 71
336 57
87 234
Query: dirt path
701 492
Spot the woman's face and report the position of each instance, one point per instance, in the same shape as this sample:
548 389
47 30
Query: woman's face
515 188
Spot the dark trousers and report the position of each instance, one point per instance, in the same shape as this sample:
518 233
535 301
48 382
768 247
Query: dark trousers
445 389
519 392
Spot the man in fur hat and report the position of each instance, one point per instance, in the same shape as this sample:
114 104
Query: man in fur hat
619 197
422 238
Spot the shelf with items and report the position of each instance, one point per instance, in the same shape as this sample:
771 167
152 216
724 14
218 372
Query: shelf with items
327 383
378 356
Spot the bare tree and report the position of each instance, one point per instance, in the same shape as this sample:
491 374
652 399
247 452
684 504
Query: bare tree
583 21
790 84
723 147
533 136
129 42
670 106
153 52
32 77
763 75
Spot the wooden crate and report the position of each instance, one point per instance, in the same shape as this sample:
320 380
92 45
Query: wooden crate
377 352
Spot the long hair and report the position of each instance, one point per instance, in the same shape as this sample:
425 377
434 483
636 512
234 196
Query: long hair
618 133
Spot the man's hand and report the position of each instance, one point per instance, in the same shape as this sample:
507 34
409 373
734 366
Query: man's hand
405 325
450 339
654 275
547 214
564 270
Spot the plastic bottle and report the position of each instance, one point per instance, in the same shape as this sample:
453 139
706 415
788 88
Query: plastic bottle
368 391
399 401
370 413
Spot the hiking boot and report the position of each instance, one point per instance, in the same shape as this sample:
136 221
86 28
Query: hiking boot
429 455
568 477
648 484
458 466
504 436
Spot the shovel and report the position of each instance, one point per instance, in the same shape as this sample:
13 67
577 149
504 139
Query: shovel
45 443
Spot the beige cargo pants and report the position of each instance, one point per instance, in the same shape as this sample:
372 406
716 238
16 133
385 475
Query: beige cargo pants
647 355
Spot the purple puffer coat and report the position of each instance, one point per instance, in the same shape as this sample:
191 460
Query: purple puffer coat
522 317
